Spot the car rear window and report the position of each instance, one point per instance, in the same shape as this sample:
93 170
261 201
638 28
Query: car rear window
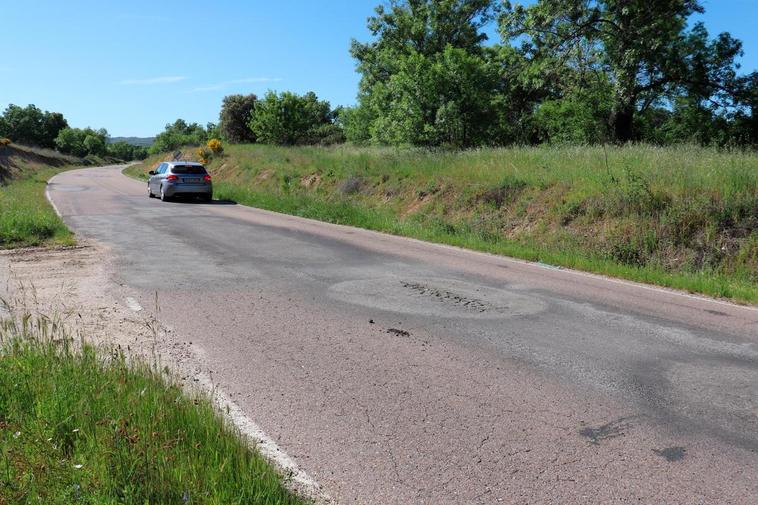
188 169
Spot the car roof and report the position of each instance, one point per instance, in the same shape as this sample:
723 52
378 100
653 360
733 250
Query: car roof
184 163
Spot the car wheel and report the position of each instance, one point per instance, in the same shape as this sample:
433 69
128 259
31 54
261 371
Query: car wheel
208 197
149 192
164 198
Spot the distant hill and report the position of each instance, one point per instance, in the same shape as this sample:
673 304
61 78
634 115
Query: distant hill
135 141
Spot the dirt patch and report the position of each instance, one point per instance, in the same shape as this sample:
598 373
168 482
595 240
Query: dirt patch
70 284
415 206
310 181
263 176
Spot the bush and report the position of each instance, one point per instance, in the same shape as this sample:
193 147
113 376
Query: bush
215 146
4 142
204 154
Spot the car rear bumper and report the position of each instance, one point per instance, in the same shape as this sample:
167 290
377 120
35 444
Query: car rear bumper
188 189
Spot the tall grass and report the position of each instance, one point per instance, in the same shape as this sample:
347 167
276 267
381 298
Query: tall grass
26 217
683 217
81 425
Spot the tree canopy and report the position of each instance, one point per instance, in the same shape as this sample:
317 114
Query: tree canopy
564 71
644 50
30 125
290 119
236 112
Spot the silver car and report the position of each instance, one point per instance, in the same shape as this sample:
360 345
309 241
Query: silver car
180 178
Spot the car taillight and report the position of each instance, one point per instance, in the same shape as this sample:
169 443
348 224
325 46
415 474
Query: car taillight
207 178
172 178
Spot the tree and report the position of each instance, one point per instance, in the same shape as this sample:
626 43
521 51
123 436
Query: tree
290 119
30 125
125 151
643 47
427 78
236 112
178 134
52 124
24 124
82 142
94 144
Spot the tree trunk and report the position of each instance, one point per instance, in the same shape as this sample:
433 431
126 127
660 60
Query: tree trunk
622 123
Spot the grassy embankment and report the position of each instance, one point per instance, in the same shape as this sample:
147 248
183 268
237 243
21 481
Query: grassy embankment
97 428
683 217
26 217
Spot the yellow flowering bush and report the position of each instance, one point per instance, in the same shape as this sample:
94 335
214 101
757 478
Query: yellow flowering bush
204 154
215 146
4 142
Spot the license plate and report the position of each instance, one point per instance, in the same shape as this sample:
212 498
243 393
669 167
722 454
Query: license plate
191 180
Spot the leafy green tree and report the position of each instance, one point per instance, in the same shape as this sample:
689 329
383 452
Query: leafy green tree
427 77
746 118
82 142
290 119
52 124
23 124
125 151
643 47
178 134
71 141
236 112
94 144
30 125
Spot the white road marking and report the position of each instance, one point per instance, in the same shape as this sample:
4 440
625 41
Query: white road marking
265 445
132 304
52 203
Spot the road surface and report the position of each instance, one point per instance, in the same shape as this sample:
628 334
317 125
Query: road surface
395 371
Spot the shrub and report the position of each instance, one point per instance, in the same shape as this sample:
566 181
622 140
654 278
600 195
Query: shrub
4 142
204 154
215 146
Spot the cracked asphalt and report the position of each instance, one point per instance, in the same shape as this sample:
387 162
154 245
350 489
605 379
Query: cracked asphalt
395 371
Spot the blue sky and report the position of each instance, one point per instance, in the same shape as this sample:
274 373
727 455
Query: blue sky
131 67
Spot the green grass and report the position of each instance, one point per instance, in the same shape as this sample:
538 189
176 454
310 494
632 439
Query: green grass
683 217
26 217
90 427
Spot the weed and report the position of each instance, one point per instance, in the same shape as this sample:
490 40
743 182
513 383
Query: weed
351 185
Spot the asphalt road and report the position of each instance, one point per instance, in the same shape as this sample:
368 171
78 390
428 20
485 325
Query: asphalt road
395 371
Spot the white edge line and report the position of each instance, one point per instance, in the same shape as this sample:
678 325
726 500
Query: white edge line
295 478
50 200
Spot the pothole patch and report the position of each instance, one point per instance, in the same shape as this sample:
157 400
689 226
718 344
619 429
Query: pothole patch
438 297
